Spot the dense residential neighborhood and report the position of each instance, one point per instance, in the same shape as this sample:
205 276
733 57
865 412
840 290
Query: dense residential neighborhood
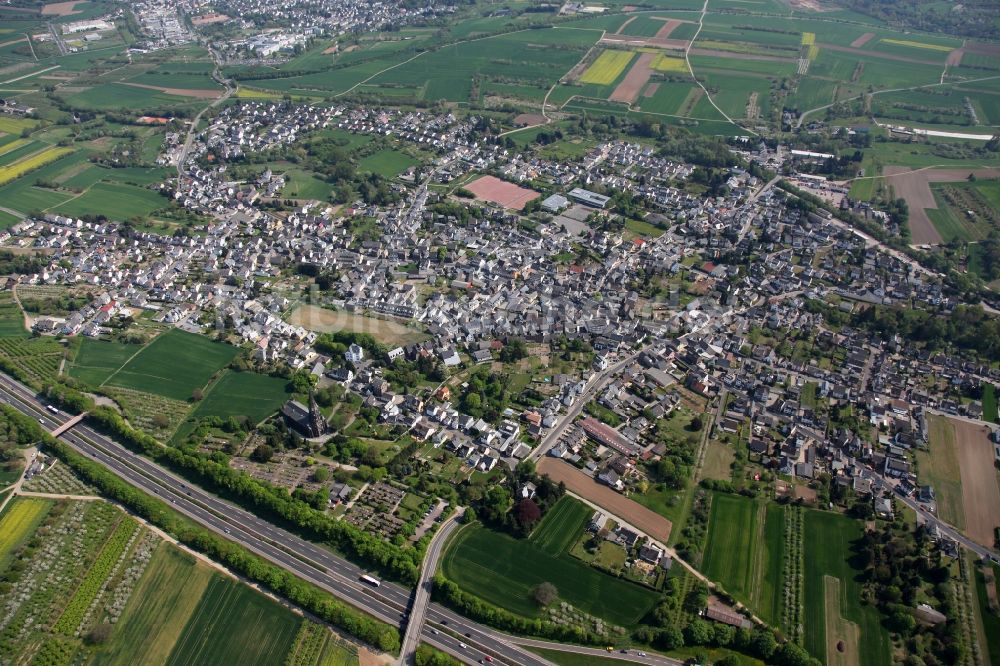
461 340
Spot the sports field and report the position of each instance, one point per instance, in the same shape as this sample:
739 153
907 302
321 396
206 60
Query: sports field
745 551
827 540
173 365
504 571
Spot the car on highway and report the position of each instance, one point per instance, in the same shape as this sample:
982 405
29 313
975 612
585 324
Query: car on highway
463 646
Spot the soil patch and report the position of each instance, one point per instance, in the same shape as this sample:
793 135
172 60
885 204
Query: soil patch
661 43
322 320
862 40
914 187
208 19
180 92
637 77
741 56
667 28
651 89
980 492
955 58
60 8
525 119
576 481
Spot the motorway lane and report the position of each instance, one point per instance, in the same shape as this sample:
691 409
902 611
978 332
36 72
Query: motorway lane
311 562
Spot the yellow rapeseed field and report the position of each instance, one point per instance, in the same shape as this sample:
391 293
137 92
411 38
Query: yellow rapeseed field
813 51
13 145
607 67
808 38
15 125
918 45
17 521
30 163
665 63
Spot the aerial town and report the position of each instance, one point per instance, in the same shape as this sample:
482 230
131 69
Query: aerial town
463 379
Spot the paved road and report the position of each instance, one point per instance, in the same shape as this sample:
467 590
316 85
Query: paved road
193 130
446 630
422 596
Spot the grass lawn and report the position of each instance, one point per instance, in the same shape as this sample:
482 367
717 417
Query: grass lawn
990 403
939 467
504 571
388 163
235 624
560 527
828 542
174 365
719 458
745 552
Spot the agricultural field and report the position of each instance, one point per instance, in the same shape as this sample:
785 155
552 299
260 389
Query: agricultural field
36 360
561 526
15 170
966 211
111 592
18 521
244 394
504 571
233 623
827 544
96 360
607 67
173 365
987 577
745 551
323 320
117 201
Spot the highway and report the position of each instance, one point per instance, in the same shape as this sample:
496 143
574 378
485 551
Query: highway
422 596
389 602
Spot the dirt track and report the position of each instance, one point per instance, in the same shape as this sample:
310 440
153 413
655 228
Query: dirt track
914 187
634 513
877 54
667 28
980 492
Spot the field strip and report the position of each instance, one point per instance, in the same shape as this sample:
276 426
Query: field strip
842 637
758 553
893 90
545 100
400 64
28 76
687 59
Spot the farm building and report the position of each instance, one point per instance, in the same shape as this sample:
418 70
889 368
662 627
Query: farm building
727 616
